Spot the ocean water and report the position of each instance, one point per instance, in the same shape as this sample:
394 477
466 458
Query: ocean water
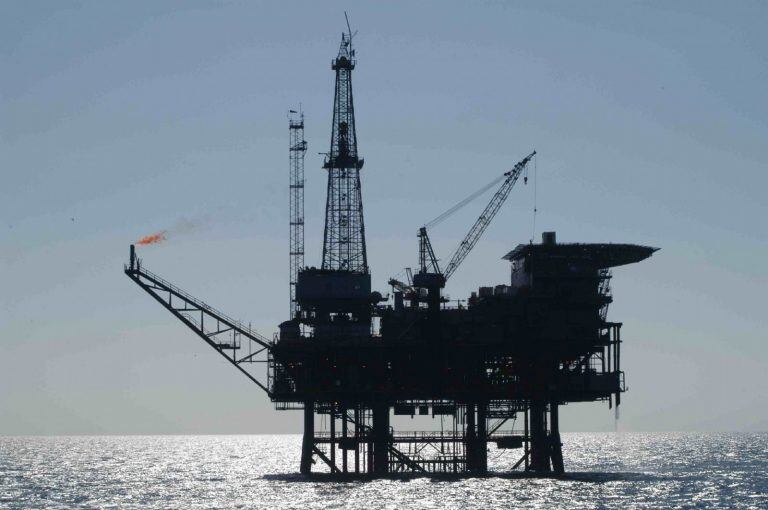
611 470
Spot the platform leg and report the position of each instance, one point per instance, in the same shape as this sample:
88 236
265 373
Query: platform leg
470 439
482 439
526 440
344 439
308 441
357 439
381 439
333 434
540 453
556 446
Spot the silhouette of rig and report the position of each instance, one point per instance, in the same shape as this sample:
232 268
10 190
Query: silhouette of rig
493 370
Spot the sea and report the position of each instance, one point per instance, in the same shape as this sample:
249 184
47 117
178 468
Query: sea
604 470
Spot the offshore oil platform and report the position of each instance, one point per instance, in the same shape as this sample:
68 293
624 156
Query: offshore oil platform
351 358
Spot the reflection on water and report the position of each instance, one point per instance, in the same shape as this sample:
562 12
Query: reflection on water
604 471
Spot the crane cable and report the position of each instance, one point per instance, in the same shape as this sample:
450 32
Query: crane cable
535 208
465 201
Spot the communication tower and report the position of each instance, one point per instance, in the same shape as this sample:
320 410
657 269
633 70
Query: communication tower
297 149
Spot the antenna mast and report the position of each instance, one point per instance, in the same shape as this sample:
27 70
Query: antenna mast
296 150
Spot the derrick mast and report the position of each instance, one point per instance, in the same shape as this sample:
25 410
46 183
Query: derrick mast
335 300
344 241
335 306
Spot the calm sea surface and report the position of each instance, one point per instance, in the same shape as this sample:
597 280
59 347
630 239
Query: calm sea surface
625 470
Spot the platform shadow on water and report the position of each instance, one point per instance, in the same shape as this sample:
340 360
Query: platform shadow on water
583 477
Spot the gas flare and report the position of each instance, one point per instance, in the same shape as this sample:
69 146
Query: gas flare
152 239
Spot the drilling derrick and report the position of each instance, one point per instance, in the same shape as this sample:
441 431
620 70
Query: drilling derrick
335 299
297 149
335 306
344 241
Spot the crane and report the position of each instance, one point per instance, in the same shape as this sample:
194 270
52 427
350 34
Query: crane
430 276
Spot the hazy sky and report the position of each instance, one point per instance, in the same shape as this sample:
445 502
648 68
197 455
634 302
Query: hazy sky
121 119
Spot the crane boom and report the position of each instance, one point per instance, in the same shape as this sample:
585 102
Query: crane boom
485 218
399 285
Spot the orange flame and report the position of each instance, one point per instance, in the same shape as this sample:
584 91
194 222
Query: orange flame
152 239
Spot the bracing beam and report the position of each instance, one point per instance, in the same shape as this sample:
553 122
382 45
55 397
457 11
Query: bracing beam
497 426
324 458
243 347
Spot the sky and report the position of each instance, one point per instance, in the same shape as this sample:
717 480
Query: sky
119 120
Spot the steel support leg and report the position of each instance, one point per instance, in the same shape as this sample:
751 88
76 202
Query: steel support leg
344 444
357 439
556 446
333 434
470 439
482 439
540 450
526 440
380 439
308 442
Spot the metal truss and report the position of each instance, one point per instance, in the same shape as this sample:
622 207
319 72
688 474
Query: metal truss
243 347
297 149
344 238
